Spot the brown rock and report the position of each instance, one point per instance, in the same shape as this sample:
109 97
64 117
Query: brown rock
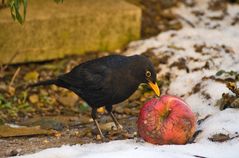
34 98
69 99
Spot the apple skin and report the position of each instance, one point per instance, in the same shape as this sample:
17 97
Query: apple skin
166 120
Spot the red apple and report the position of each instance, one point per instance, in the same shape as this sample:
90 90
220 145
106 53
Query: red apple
166 120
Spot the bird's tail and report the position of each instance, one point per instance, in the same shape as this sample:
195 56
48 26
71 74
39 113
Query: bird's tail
44 83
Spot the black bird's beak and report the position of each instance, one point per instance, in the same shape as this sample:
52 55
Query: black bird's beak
155 87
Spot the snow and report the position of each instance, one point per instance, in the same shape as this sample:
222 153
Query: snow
132 148
221 52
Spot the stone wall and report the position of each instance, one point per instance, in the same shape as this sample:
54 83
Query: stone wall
76 26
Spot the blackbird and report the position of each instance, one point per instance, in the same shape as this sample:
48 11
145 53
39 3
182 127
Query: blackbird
107 81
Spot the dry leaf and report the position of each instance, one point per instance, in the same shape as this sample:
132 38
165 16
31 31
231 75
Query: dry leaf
31 76
34 98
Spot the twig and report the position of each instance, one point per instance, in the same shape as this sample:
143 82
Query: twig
203 119
4 67
186 20
192 140
234 137
199 156
10 60
14 76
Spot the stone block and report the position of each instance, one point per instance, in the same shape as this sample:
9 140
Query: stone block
54 30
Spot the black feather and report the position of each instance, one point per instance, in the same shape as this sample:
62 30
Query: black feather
44 83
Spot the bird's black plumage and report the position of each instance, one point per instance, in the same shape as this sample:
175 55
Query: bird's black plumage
106 81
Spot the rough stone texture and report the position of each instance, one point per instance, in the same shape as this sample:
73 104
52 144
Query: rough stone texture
54 30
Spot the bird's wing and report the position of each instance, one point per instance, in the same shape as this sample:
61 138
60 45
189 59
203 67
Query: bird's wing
90 78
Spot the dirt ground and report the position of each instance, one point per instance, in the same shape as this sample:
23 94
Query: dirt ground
78 134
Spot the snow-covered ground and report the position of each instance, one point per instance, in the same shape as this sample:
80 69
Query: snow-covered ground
210 46
131 148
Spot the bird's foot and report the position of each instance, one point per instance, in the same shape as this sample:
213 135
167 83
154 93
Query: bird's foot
128 135
119 127
101 138
117 124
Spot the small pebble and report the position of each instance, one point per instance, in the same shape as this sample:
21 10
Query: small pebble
46 141
98 137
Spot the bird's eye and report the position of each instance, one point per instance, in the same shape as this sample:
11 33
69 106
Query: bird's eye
148 74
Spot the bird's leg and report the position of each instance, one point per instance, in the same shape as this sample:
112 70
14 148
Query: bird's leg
93 115
118 125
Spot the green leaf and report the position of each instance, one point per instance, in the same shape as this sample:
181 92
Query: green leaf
219 73
8 105
18 15
232 73
16 4
11 5
15 10
1 97
25 9
2 100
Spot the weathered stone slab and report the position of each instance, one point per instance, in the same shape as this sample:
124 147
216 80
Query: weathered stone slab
8 131
55 30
